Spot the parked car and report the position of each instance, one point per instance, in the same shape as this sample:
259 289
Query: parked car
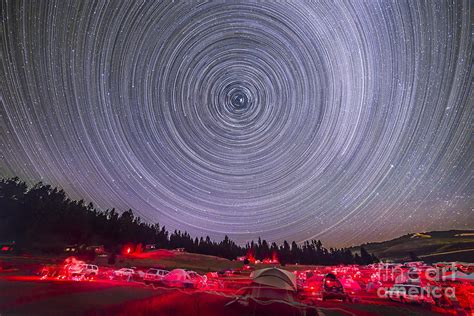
124 274
154 276
409 293
128 274
83 271
197 280
138 274
333 289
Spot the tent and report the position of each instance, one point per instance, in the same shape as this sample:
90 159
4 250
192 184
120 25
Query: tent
177 277
272 292
274 277
272 284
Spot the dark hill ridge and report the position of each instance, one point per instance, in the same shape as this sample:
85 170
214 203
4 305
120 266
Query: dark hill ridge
452 245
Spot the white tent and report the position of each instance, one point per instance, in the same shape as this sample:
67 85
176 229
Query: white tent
276 278
271 284
177 277
272 292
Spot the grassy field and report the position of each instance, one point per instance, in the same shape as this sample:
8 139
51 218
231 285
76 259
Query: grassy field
191 261
172 260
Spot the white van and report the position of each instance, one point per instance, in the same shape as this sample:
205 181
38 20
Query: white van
409 293
154 276
84 270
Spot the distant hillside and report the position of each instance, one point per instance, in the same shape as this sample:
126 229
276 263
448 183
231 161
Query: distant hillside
453 245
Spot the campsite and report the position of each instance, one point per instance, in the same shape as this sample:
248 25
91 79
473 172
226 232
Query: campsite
40 285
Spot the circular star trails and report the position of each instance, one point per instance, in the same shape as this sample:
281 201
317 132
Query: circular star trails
342 121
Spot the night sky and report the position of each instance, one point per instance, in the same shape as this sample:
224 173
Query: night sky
341 121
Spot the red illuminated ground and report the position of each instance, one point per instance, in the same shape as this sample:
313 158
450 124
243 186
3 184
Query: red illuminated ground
32 296
23 293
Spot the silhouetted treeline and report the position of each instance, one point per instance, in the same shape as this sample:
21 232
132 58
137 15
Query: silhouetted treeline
43 217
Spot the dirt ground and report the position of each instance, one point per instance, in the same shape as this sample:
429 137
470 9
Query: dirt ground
32 296
24 293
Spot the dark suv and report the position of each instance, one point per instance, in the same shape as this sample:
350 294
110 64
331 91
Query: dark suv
332 289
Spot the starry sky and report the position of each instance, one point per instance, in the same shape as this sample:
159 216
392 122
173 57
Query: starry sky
345 121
